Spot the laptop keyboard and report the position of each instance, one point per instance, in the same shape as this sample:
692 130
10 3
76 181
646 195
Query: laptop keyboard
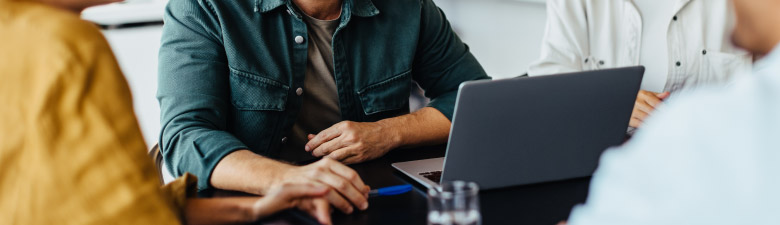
434 176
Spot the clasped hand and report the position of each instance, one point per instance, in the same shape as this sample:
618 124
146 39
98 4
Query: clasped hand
353 142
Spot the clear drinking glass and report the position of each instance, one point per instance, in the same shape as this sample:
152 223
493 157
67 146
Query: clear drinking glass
454 203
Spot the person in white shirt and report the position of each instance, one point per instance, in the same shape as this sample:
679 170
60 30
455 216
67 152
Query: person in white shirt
711 156
682 44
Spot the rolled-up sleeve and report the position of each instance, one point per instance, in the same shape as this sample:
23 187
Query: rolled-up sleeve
442 61
194 92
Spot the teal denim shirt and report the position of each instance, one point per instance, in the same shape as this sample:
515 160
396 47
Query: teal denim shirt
229 71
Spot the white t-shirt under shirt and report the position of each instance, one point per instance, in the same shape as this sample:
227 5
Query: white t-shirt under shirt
656 16
320 103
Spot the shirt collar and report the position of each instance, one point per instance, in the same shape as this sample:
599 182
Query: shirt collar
362 8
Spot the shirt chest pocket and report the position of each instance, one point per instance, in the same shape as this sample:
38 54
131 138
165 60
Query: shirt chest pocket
389 97
260 105
256 93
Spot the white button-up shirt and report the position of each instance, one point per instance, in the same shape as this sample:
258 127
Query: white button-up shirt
654 55
597 34
709 157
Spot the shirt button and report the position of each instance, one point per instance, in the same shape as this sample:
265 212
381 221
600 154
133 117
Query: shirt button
678 63
704 52
299 91
674 18
299 39
284 140
601 62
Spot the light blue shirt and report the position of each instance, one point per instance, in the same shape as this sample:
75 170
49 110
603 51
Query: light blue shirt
708 157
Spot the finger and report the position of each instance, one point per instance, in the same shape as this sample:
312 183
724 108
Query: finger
310 136
635 123
652 100
351 160
639 114
322 137
320 210
663 95
349 174
346 189
338 201
645 92
306 205
340 154
328 147
643 106
292 192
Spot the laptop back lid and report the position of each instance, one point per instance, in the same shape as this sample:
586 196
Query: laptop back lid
538 129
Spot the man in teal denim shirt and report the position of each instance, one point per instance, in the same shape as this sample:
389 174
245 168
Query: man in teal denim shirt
230 80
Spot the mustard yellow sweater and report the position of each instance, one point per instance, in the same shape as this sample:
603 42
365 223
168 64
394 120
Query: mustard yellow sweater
71 151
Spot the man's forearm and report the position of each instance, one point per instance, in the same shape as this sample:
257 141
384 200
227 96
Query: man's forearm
246 171
426 126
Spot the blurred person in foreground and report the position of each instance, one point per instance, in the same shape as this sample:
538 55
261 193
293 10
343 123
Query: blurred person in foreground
71 151
711 156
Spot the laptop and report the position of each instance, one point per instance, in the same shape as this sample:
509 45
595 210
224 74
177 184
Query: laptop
532 129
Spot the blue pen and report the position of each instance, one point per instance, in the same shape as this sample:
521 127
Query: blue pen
392 190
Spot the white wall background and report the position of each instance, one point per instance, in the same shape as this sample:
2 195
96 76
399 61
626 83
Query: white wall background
504 35
136 50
